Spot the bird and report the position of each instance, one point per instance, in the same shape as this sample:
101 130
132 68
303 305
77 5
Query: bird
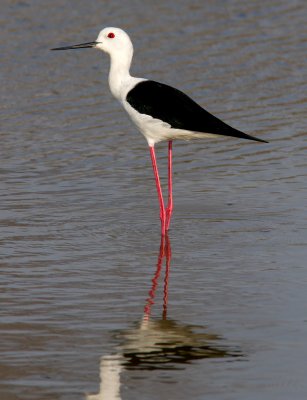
159 111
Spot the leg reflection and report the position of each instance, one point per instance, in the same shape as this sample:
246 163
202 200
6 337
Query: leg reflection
165 252
168 256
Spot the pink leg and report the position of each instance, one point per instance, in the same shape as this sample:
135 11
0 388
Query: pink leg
159 190
169 209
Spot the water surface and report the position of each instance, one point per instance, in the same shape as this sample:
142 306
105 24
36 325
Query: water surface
85 289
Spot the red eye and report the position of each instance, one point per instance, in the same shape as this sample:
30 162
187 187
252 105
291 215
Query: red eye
111 35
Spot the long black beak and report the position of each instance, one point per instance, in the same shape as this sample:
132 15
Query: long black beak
77 46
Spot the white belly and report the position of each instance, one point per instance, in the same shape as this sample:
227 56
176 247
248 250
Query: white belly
156 130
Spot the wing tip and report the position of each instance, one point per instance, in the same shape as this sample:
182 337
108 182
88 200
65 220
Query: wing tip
257 139
243 135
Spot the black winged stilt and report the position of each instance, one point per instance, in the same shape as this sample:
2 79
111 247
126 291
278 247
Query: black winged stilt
159 111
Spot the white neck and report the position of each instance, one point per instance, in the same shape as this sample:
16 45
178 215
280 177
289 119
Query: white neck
119 71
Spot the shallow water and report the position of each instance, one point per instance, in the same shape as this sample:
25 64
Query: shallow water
92 306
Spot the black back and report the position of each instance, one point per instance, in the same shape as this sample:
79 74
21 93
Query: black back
178 110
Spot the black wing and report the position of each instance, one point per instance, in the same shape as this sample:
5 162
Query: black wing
178 110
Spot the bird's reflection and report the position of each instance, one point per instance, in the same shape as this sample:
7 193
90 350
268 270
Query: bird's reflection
158 344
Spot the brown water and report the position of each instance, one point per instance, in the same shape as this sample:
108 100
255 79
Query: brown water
79 215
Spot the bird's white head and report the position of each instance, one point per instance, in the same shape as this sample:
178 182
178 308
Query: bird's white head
113 41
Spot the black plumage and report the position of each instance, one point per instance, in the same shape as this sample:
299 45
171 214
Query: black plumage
178 110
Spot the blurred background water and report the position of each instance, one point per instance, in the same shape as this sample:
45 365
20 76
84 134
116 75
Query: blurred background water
79 216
